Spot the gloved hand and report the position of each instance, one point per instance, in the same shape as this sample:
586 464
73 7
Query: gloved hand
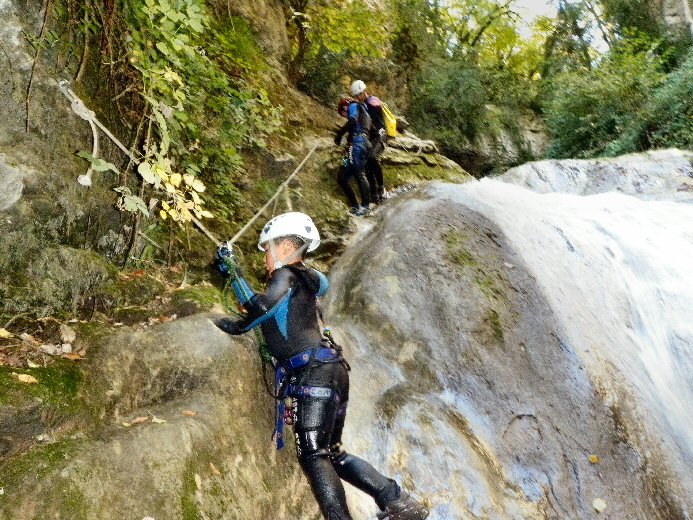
229 326
225 260
338 139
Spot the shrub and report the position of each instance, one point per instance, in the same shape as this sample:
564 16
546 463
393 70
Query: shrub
670 118
449 101
593 112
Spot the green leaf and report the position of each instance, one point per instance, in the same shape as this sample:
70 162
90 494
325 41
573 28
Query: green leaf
163 128
133 204
101 166
163 48
145 170
98 164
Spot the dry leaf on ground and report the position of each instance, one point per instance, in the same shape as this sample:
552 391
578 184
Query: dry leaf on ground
190 413
25 378
28 338
136 420
214 469
52 350
5 334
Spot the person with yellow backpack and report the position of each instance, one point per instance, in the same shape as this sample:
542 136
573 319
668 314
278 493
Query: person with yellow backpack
383 126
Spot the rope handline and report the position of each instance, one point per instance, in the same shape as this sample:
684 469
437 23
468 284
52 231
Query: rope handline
276 194
88 115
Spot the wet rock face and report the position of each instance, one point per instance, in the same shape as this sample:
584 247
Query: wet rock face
15 62
268 21
11 183
201 450
655 175
464 385
38 131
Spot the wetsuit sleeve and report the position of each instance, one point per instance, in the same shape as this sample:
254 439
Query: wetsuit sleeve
241 288
244 294
340 133
262 307
324 284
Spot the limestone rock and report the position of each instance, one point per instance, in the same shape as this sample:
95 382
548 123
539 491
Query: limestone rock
466 369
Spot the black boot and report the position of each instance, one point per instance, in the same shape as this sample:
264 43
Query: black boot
404 508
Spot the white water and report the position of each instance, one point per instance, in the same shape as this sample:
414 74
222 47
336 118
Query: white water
613 258
618 272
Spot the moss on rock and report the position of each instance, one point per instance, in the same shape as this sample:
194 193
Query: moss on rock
58 385
59 280
37 462
202 296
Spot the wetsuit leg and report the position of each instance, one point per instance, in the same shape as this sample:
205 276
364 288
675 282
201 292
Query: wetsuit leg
359 156
343 180
374 172
364 187
358 472
315 420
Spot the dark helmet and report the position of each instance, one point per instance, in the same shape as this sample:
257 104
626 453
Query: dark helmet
343 104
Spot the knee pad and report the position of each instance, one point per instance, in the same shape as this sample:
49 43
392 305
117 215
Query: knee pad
309 445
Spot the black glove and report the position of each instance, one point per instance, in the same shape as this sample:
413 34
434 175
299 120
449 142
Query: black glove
338 139
229 326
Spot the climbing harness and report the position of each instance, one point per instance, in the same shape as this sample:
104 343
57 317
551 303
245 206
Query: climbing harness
284 390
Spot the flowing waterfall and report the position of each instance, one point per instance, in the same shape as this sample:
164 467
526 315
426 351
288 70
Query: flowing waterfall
618 271
611 258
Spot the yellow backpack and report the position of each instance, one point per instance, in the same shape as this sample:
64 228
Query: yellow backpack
390 121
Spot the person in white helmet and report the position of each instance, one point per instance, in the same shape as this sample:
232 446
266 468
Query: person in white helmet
377 137
310 368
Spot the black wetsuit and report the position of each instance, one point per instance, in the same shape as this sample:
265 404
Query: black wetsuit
358 127
287 315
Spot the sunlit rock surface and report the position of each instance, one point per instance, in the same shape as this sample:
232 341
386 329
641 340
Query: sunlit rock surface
203 450
521 355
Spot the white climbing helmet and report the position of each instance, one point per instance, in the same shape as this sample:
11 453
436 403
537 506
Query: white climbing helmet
357 87
287 224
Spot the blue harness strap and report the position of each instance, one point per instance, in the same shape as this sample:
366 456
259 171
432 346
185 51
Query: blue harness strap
282 390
